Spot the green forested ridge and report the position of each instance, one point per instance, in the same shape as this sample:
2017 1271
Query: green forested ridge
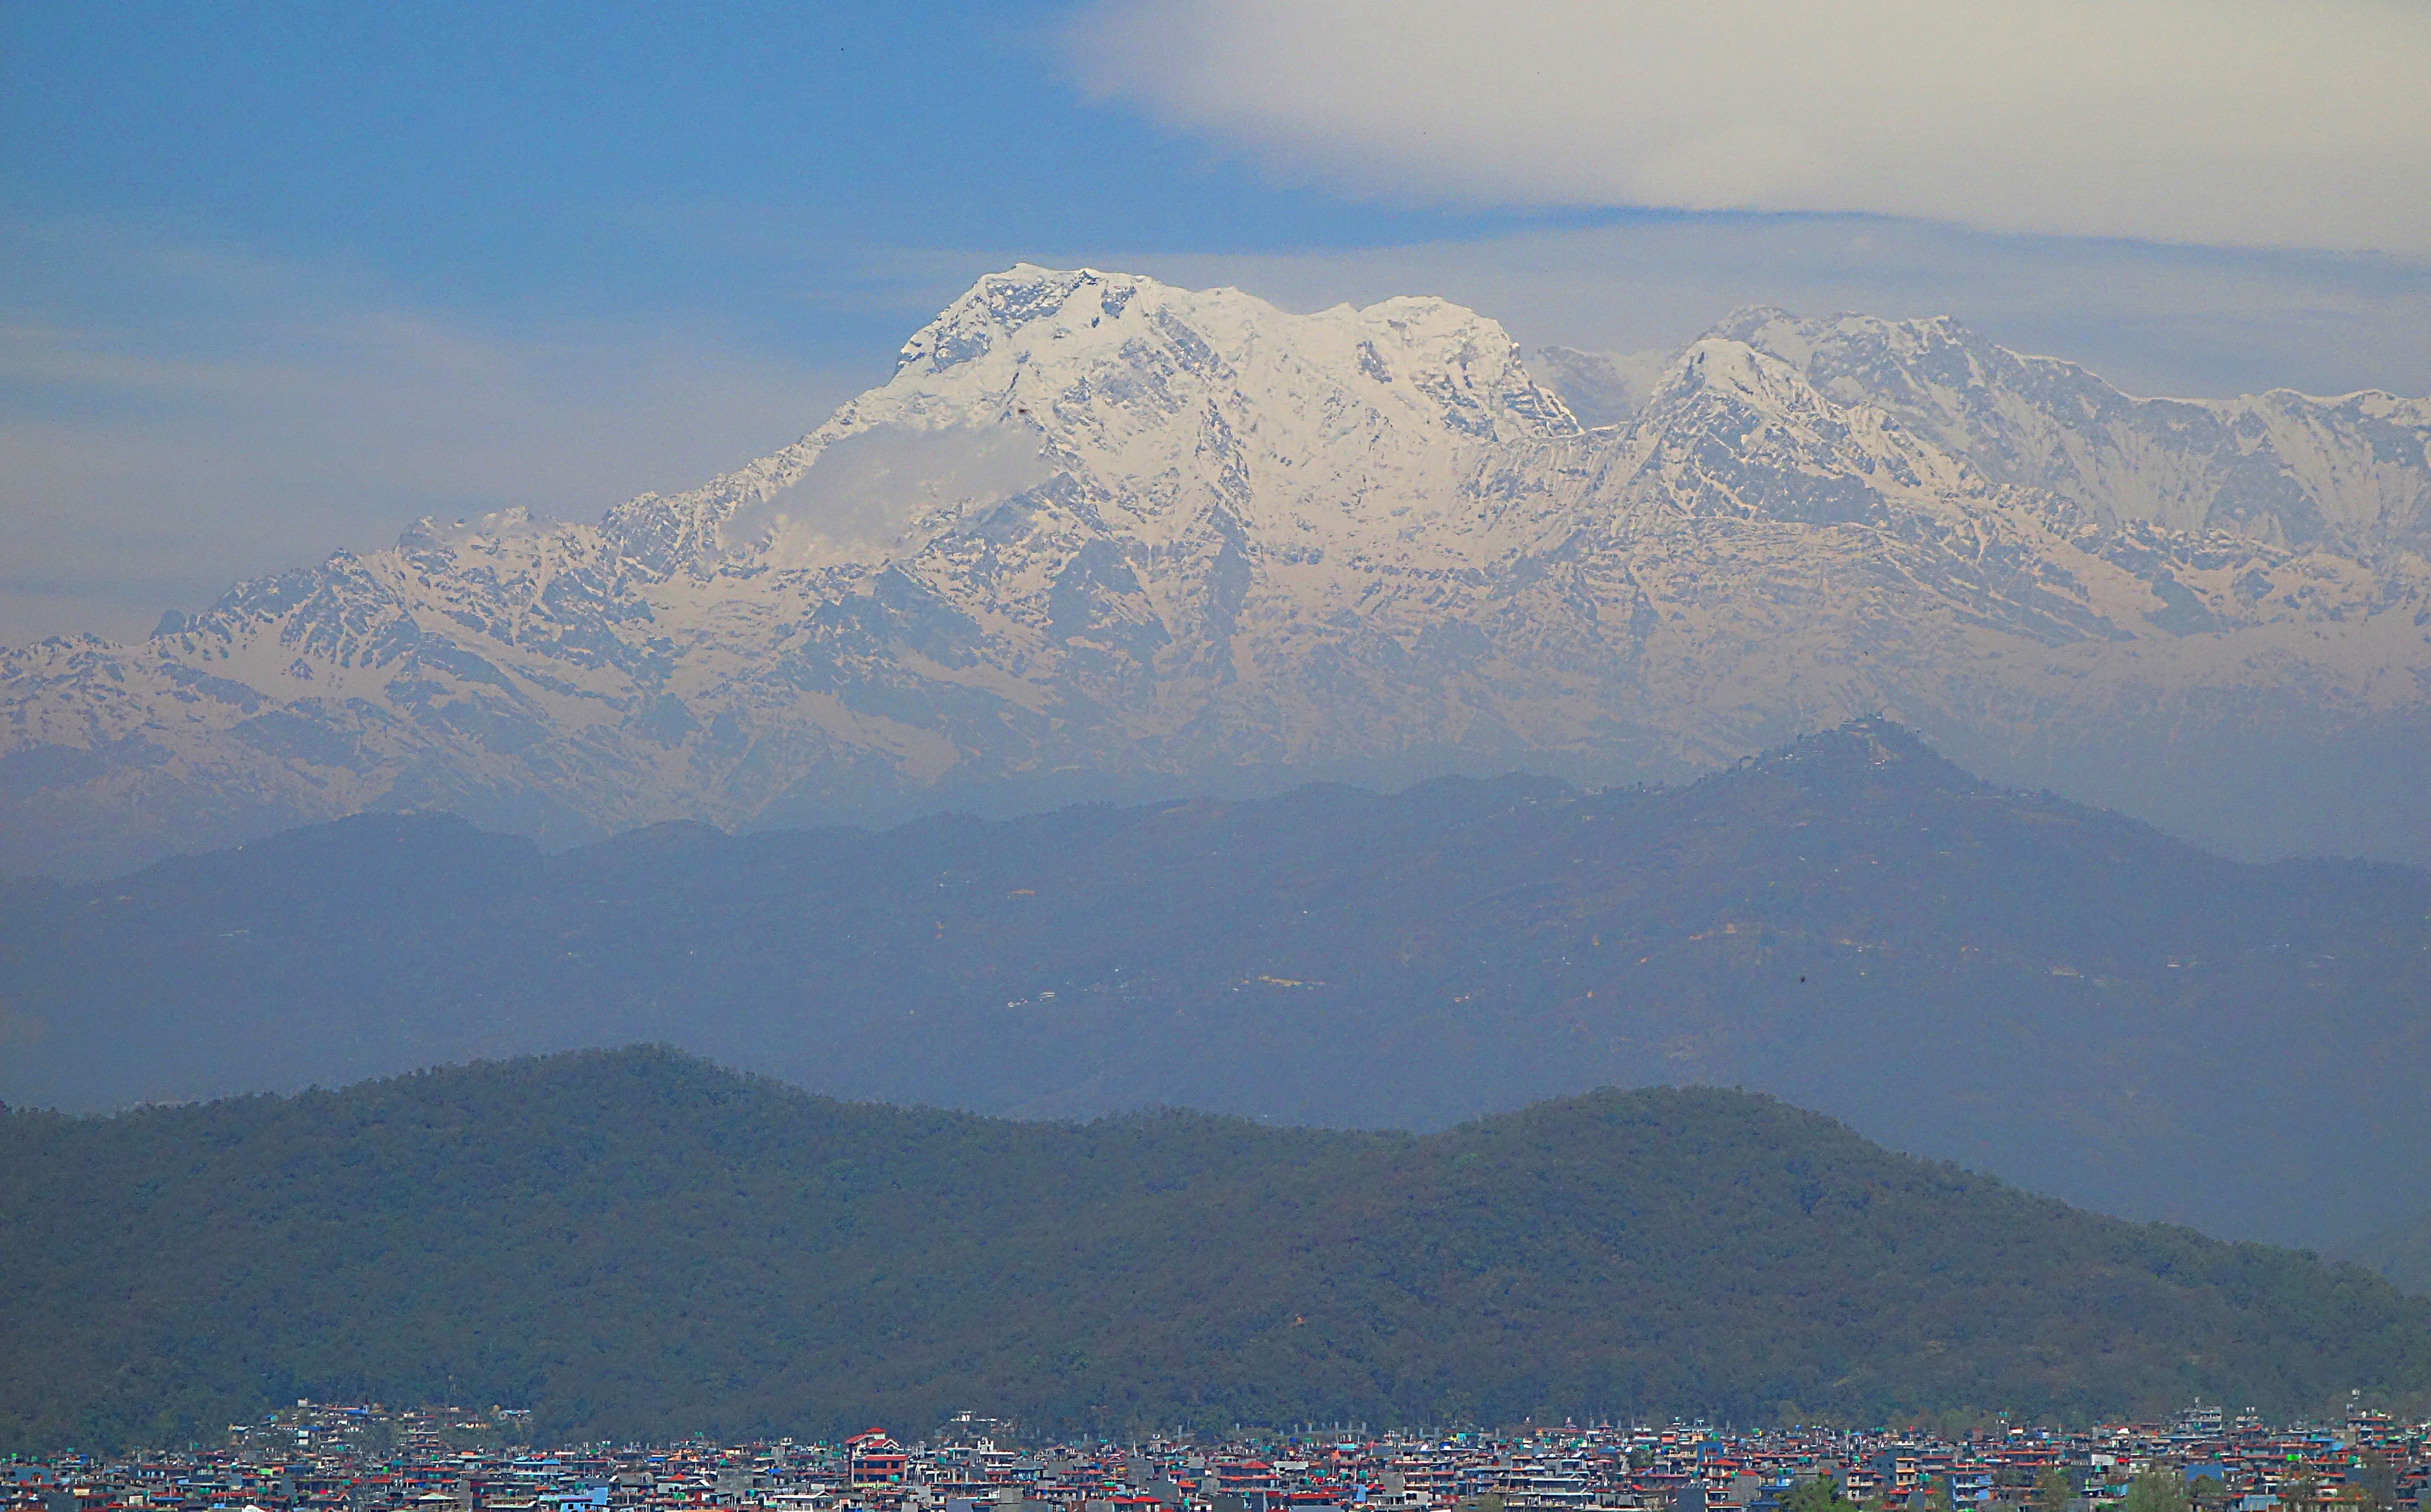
636 1242
2067 997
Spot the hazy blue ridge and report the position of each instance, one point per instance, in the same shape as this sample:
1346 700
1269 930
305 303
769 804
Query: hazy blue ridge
2401 1251
2072 1001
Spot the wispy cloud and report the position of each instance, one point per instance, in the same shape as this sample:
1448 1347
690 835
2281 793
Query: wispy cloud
176 416
2243 123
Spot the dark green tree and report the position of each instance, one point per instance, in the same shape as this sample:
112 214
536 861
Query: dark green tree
1819 1493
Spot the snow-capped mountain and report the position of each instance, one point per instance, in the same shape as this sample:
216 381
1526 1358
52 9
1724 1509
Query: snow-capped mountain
1100 535
2343 474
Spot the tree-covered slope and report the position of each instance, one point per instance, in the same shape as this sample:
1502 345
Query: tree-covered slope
2067 999
638 1243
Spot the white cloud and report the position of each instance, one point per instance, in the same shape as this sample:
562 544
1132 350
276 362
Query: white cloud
2237 123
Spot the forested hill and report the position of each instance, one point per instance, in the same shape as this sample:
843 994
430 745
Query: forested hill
2070 999
638 1243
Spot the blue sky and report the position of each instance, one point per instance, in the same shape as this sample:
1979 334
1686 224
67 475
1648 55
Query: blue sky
280 279
747 164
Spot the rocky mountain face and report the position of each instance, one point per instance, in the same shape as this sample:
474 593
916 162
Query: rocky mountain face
1102 537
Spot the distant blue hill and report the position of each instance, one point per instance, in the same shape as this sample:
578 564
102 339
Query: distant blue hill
2071 1000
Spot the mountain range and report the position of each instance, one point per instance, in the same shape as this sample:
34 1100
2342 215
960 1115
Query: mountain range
636 1245
2067 999
1099 537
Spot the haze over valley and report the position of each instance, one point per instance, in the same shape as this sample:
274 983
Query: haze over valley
2062 997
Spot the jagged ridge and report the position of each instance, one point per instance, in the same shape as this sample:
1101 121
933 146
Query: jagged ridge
1098 534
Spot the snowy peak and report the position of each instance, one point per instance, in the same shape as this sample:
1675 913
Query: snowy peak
1157 405
2347 474
1736 371
1091 355
1734 429
1050 330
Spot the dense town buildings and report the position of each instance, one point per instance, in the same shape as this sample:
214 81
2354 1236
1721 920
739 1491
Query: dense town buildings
318 1457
